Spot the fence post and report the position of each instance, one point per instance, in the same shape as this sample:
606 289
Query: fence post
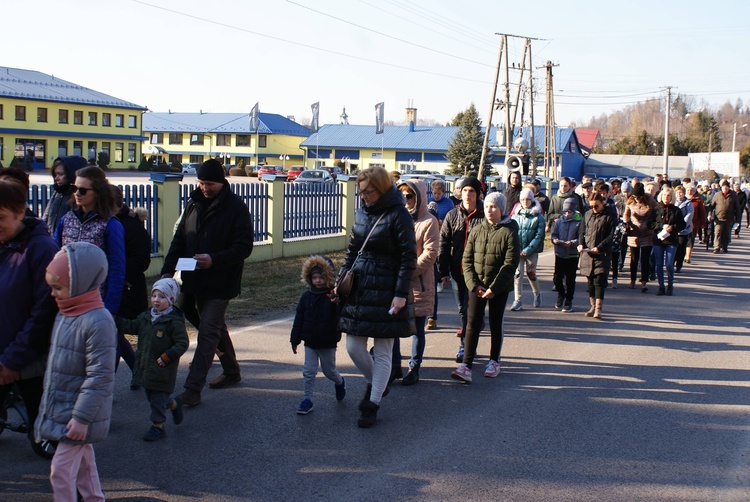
169 209
276 214
349 204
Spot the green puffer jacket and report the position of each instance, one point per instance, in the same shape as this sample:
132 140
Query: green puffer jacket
165 337
491 256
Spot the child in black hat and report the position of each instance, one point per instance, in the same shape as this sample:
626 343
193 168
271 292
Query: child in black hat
317 324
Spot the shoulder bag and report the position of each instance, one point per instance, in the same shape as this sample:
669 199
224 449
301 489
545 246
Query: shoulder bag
345 280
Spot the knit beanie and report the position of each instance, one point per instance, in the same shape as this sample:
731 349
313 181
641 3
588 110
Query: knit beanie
626 187
60 268
527 193
472 182
497 199
168 287
211 170
639 190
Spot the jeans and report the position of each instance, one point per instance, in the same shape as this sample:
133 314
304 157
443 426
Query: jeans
417 344
213 336
476 316
159 402
461 292
664 255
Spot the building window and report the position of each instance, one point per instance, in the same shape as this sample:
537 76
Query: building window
118 150
20 112
223 140
196 139
262 140
62 116
175 158
92 118
106 119
196 158
243 140
157 138
106 145
62 148
78 117
92 152
41 115
131 152
119 121
132 121
175 138
78 148
1 116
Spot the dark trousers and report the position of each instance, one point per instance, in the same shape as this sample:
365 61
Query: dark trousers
461 292
597 283
124 350
564 277
642 255
682 244
615 262
474 325
723 233
435 308
31 391
208 315
159 402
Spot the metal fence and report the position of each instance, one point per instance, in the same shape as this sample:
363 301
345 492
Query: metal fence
134 196
312 209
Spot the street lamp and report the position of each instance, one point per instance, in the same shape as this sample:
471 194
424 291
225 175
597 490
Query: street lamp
734 134
283 159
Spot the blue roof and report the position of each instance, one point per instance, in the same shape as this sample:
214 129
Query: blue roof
563 135
30 84
422 138
237 123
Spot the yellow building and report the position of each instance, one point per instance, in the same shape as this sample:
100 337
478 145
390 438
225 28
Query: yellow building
43 117
196 137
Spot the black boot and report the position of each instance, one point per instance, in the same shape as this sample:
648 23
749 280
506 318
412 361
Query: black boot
396 373
369 414
412 377
366 398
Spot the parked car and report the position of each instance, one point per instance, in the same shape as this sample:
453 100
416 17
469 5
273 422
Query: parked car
190 167
293 172
314 176
270 169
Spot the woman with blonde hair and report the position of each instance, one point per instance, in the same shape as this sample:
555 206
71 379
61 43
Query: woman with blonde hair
667 224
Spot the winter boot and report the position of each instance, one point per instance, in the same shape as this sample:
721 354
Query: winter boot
591 311
369 414
598 311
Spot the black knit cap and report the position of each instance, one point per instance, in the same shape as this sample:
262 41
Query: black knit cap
211 170
474 183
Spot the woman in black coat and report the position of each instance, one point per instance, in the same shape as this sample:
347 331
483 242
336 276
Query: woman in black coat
595 237
380 305
668 223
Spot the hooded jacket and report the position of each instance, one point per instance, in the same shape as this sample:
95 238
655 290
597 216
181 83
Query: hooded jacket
80 376
427 233
530 228
26 308
383 270
59 202
492 255
567 228
454 233
597 231
316 321
512 194
220 227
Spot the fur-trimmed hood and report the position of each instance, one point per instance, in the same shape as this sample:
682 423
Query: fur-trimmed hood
318 261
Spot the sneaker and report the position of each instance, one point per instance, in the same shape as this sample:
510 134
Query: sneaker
614 283
440 287
538 300
460 354
340 390
305 407
177 414
559 302
493 369
568 307
154 433
462 373
191 397
660 292
431 324
517 305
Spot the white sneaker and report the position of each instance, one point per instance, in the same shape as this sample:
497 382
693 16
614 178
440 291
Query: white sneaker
462 373
517 305
440 287
493 369
538 300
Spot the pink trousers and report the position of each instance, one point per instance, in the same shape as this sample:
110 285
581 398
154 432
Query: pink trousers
74 468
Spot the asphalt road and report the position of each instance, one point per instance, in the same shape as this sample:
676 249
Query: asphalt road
652 403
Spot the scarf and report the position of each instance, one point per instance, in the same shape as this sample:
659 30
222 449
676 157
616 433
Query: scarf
155 315
81 304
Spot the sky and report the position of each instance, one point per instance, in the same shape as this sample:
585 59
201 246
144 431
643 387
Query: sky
438 56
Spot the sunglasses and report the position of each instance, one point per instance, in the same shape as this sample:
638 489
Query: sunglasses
409 196
367 192
82 190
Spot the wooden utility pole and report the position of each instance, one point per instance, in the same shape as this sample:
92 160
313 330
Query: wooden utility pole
550 134
486 142
532 140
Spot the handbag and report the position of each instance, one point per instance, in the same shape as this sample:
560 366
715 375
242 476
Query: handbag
345 281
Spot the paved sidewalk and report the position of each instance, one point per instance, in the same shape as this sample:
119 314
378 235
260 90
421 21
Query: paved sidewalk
649 404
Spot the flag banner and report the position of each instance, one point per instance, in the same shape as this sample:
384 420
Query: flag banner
315 109
379 109
254 121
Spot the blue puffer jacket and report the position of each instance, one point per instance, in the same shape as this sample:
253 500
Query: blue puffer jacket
530 229
566 228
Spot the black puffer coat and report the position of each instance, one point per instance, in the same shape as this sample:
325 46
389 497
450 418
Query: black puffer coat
383 270
597 231
668 215
137 259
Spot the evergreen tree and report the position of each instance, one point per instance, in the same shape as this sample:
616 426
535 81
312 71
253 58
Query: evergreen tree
465 149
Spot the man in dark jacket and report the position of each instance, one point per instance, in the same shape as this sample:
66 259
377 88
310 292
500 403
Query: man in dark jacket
741 203
540 196
724 205
215 230
513 192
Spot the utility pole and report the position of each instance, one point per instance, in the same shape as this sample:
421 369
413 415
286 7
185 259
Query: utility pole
485 143
532 141
666 131
550 135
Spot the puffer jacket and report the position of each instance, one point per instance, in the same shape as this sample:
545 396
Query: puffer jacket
668 215
316 321
567 228
383 270
137 259
59 203
687 213
166 336
530 229
80 377
492 255
454 233
597 231
427 232
638 218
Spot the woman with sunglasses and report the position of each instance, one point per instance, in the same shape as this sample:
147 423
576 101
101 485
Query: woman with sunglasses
595 247
93 220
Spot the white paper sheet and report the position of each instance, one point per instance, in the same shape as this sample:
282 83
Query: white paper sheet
186 264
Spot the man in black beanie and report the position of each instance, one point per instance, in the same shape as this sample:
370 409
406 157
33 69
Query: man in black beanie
217 231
